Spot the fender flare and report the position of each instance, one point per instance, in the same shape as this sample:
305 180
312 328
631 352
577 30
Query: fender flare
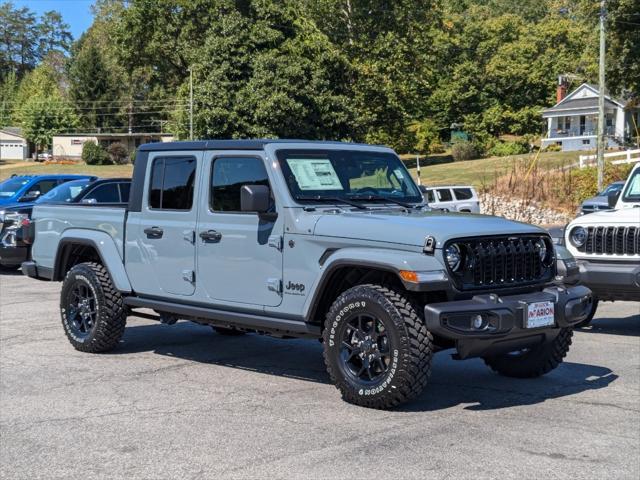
391 261
104 244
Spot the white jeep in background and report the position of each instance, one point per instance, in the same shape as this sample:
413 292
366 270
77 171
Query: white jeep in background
606 245
454 198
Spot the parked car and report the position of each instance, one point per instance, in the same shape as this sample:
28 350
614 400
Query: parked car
600 201
325 240
457 198
44 156
27 188
15 225
606 246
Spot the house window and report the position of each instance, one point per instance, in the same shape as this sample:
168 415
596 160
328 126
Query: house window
586 142
567 123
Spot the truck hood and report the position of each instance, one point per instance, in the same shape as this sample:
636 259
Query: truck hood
395 226
624 216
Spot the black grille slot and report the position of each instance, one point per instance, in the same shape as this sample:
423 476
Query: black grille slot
494 262
612 240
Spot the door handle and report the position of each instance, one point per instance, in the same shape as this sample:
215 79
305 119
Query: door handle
154 232
210 236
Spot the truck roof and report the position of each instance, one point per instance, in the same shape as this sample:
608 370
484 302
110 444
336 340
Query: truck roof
251 144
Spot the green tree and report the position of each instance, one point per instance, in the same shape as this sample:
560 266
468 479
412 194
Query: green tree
43 117
623 55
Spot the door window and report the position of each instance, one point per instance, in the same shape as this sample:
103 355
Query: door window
43 186
463 193
228 176
107 193
172 183
444 194
430 197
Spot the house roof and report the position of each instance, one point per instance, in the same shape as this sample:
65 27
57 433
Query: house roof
587 101
17 131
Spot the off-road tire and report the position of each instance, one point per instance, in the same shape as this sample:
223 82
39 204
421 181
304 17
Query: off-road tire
229 332
535 362
587 321
111 314
409 369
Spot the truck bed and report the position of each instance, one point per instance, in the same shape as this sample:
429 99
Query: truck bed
55 222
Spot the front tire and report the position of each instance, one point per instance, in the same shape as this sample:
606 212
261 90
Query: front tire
93 313
376 348
533 362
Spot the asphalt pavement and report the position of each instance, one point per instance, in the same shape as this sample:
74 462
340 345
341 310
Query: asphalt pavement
183 402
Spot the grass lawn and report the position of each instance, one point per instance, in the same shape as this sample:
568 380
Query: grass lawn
32 168
483 170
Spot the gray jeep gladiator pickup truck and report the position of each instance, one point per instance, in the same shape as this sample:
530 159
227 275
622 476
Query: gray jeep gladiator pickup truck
325 240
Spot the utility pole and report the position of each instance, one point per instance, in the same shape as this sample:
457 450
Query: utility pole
130 117
418 167
190 103
601 81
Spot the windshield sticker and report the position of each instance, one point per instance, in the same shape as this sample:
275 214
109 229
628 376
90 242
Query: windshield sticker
314 174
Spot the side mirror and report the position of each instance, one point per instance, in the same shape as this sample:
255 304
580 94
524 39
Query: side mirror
255 198
30 196
612 199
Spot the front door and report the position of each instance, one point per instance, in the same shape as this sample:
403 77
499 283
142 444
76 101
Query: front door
165 230
239 253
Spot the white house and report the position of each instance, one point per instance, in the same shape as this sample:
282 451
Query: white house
572 122
13 146
69 145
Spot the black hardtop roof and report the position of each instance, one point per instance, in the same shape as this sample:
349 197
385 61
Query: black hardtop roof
257 144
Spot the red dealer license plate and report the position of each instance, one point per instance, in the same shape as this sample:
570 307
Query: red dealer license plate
540 314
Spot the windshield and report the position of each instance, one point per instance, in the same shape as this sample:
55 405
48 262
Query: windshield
632 192
65 192
10 187
347 174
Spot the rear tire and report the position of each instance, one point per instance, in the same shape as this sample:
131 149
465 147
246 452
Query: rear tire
587 321
92 310
376 348
535 361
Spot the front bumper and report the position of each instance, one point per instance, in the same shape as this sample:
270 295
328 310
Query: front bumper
611 280
505 327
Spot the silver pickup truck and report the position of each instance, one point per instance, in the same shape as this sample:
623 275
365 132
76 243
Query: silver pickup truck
325 240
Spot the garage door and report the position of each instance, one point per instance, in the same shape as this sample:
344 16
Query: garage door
11 151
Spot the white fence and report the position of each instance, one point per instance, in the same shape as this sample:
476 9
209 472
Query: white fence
630 156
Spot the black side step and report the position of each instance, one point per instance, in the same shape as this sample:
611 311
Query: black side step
225 318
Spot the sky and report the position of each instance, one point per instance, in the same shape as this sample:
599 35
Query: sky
77 13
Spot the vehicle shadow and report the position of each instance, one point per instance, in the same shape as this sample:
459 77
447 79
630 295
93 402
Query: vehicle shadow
10 272
452 382
615 326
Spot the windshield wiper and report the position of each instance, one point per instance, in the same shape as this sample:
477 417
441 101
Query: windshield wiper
322 198
372 198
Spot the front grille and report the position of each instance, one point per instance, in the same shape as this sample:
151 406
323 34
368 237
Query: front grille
505 261
612 241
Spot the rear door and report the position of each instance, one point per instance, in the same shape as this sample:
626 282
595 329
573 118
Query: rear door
239 253
163 261
445 199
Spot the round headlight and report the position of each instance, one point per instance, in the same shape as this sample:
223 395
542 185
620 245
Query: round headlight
453 256
578 236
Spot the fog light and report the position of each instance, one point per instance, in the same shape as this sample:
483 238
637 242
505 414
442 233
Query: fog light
477 322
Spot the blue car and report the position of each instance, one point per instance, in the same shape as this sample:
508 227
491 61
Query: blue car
27 188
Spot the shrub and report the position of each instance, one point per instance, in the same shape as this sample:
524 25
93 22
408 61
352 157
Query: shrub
554 147
132 157
94 154
118 153
585 180
463 151
503 149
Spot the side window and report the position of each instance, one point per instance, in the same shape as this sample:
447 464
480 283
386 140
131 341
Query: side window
43 186
172 183
106 193
463 193
430 197
228 176
124 192
444 194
